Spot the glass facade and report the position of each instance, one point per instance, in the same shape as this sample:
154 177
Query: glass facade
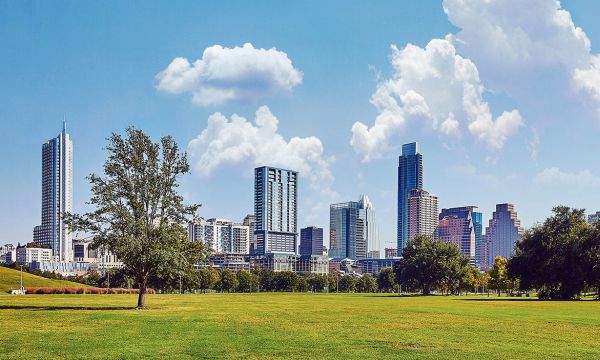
311 241
352 229
459 226
410 177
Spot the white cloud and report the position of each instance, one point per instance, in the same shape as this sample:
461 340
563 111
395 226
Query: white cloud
239 142
436 86
230 75
520 46
554 175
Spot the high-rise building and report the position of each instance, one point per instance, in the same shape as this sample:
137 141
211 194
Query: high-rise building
478 227
221 236
249 221
410 176
311 241
458 226
502 234
593 218
352 229
391 253
275 211
57 189
422 213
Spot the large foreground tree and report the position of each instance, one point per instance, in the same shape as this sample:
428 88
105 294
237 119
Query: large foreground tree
139 215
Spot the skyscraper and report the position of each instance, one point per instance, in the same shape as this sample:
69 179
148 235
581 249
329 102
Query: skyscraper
502 234
352 229
249 221
422 213
57 189
275 211
311 241
410 176
458 226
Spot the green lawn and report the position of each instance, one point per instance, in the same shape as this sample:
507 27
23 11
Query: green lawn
335 326
9 279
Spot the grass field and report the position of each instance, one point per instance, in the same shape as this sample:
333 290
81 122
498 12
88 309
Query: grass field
299 326
9 279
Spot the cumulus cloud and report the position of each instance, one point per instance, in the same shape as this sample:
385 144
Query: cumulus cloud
237 141
434 86
230 75
520 45
554 175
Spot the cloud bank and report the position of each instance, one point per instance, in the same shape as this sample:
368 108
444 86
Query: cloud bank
224 75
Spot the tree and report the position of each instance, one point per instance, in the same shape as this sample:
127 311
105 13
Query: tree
227 281
347 283
428 263
474 279
551 257
207 278
285 281
265 278
332 282
317 282
386 280
139 215
498 275
247 282
592 258
302 284
366 284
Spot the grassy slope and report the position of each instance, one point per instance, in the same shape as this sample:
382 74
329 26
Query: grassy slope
296 326
9 279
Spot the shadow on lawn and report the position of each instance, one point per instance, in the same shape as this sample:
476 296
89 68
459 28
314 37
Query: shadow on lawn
46 307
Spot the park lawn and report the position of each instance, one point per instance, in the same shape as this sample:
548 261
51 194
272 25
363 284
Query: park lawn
296 326
10 280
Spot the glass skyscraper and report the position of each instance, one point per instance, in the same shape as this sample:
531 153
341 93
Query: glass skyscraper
501 235
57 190
410 177
352 229
461 226
311 241
275 211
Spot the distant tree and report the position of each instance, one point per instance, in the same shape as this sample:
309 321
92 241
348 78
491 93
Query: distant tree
498 275
302 284
92 278
285 281
317 283
386 280
551 257
139 215
474 279
265 278
347 283
227 281
592 258
366 284
207 277
427 264
332 282
245 283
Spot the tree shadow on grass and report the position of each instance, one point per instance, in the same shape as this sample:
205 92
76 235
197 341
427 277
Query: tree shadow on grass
509 299
51 308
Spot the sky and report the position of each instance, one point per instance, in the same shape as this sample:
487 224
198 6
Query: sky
502 96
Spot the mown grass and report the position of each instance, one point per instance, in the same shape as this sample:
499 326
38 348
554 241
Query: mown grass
10 279
299 326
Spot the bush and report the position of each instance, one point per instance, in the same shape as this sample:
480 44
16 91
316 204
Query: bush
73 290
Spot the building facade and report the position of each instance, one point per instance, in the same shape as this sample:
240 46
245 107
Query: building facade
422 213
594 218
391 253
311 241
27 255
222 236
249 222
352 229
275 211
57 190
410 177
458 226
502 234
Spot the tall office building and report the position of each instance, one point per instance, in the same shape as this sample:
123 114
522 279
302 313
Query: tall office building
311 241
249 221
410 177
353 229
221 236
594 218
502 234
275 211
459 226
422 213
57 190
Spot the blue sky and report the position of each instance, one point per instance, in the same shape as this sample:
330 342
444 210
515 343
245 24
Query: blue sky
527 133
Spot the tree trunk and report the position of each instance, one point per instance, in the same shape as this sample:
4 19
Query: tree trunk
142 295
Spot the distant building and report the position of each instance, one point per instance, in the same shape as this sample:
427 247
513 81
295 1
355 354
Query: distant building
311 241
422 213
410 176
221 235
352 229
26 255
391 253
249 222
502 234
275 262
312 264
594 218
275 211
57 196
10 257
4 249
374 266
458 226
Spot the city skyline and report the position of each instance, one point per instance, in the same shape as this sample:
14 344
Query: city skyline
314 116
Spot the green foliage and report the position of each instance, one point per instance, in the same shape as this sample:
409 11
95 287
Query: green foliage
557 257
366 284
285 281
139 215
428 264
265 278
247 282
302 284
386 280
207 278
347 283
227 281
332 282
318 283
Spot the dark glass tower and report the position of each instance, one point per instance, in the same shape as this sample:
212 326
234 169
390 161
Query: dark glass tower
311 241
410 177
